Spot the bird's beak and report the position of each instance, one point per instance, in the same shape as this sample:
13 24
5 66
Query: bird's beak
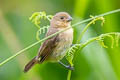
69 19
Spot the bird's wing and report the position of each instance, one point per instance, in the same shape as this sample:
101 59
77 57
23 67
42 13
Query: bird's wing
48 46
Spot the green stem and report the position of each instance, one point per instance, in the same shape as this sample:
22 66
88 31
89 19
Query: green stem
69 75
97 38
104 14
88 42
8 59
85 29
16 54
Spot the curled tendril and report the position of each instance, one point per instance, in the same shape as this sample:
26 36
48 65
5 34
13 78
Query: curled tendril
101 41
113 40
36 18
117 37
41 30
71 51
99 18
77 47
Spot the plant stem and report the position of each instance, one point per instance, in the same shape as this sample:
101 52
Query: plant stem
88 42
97 38
19 53
81 22
69 75
88 25
104 14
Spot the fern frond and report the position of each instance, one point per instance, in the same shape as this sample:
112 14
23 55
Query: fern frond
103 36
100 39
71 51
41 30
36 18
117 38
88 25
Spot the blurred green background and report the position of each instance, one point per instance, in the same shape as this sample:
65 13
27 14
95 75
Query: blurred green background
17 32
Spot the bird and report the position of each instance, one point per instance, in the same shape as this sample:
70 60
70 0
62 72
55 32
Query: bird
54 48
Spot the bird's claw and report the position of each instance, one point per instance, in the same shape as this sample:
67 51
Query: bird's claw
70 67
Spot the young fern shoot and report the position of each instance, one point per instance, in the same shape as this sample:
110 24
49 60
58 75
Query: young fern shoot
78 46
36 19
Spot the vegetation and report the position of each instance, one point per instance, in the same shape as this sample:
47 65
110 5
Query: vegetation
95 64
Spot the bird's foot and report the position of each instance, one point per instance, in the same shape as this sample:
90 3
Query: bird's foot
66 66
70 67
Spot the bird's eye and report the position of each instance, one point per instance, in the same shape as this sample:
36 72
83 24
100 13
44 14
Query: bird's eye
62 17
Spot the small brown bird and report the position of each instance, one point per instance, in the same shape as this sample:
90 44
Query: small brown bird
54 48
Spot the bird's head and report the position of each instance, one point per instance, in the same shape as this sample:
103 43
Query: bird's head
61 20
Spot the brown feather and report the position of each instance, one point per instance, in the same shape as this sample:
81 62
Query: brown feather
30 64
54 47
48 46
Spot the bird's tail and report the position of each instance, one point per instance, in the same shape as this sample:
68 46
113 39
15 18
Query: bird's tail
30 64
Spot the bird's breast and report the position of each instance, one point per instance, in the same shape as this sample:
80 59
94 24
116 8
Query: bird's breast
65 41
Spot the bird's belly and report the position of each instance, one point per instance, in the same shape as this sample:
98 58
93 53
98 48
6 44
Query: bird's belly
60 50
65 41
